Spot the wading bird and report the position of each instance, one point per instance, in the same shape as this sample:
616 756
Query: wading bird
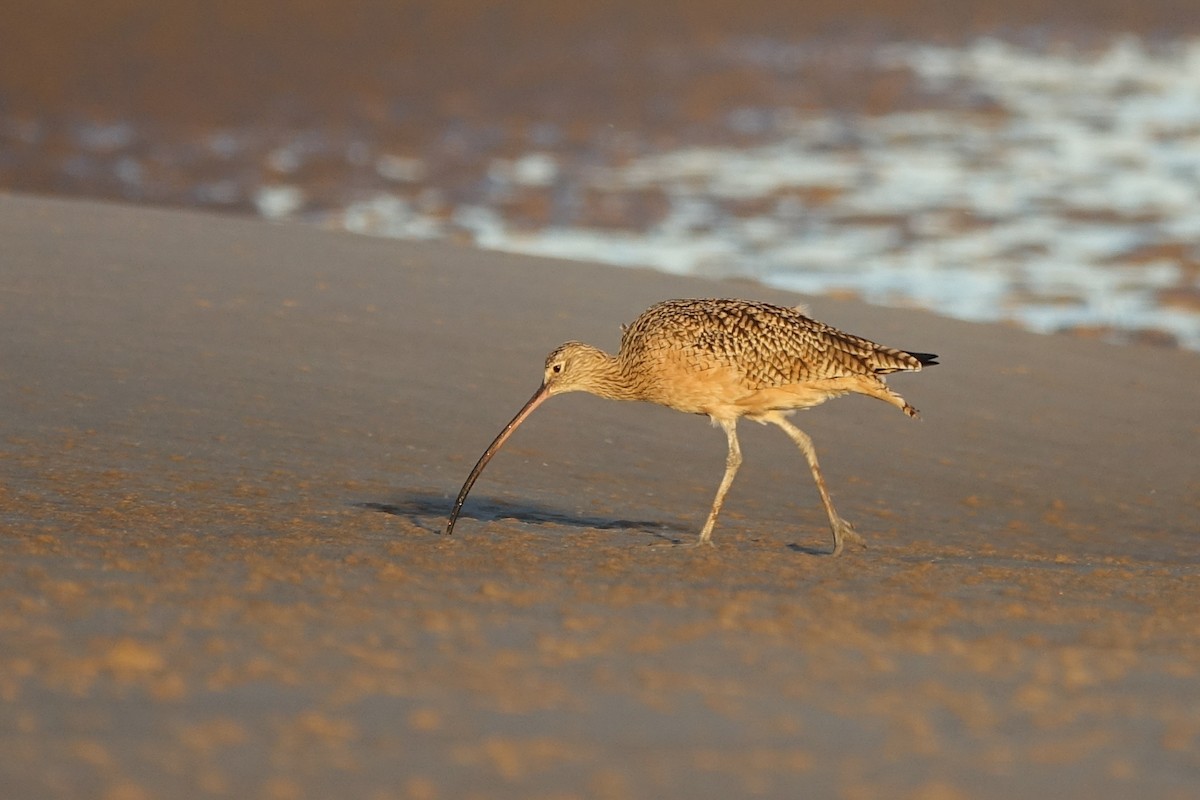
727 359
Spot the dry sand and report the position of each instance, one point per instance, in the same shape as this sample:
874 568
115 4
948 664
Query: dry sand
228 449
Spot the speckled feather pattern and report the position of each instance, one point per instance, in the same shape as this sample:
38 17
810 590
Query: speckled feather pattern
730 359
767 345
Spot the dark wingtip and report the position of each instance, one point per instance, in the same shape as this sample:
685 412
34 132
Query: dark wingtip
926 359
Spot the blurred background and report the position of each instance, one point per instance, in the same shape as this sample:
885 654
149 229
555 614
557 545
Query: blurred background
1032 162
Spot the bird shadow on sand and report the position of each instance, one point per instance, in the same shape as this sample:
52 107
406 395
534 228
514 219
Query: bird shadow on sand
430 511
809 550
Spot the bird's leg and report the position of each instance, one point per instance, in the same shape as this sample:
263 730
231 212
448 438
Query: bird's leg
843 531
733 460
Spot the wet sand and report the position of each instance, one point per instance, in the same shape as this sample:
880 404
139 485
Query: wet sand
228 449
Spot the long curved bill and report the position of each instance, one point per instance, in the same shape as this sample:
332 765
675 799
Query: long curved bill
538 397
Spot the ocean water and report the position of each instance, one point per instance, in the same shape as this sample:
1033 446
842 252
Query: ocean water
1058 190
1053 186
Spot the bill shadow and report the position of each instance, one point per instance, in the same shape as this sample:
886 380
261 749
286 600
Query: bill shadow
429 512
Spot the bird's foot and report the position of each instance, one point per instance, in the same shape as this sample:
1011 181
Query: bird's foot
843 534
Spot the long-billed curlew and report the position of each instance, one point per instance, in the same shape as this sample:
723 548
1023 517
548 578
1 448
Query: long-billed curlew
728 359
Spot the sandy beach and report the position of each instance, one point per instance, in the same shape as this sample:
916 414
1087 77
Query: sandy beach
228 449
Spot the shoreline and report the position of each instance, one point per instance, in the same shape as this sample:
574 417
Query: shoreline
1026 162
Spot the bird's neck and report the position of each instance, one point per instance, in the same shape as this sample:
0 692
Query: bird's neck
608 379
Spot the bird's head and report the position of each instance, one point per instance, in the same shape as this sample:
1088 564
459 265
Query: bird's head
575 367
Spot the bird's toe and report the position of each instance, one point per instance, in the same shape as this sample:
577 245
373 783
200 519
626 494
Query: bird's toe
843 534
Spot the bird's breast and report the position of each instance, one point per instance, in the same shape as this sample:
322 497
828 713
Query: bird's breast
694 388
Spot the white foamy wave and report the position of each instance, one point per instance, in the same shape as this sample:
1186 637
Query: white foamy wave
1047 196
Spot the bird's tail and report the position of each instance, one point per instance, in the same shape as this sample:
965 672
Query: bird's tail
926 359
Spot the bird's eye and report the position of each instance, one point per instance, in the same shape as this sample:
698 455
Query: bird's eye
557 368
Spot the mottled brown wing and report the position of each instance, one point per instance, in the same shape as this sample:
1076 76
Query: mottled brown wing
770 345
